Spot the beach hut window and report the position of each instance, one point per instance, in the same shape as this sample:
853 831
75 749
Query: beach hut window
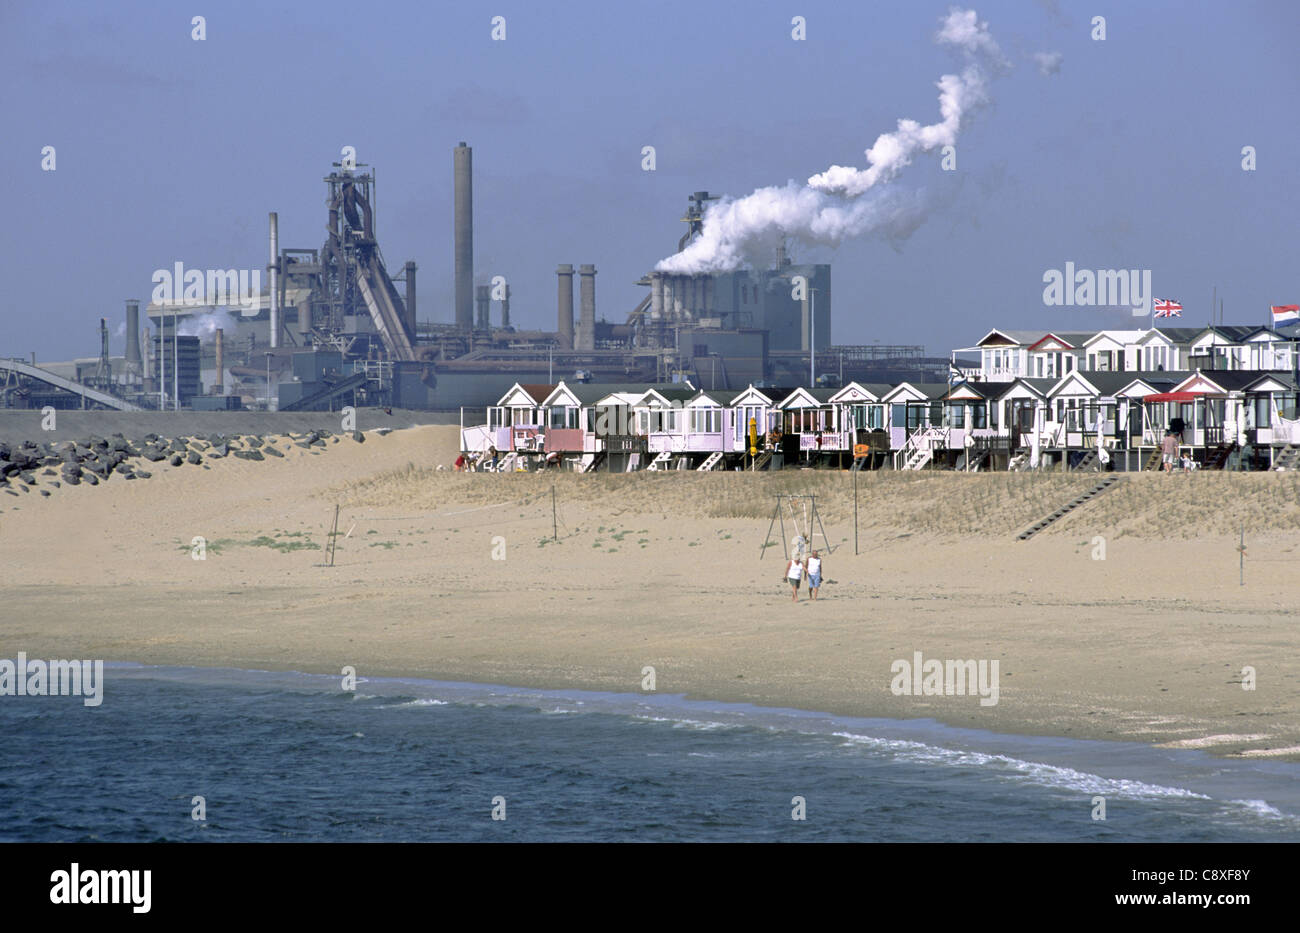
706 420
979 412
875 416
1263 412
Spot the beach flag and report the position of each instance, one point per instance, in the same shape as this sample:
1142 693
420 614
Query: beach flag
1285 314
1165 307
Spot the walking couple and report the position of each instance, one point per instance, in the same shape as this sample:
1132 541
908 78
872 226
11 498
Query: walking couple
797 569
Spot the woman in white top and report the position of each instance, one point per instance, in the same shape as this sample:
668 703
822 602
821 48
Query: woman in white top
794 574
814 573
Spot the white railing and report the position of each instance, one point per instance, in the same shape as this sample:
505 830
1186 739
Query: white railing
924 438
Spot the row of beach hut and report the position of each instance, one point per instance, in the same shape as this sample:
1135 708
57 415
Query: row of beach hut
1085 419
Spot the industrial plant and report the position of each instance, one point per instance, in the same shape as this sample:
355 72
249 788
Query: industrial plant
333 328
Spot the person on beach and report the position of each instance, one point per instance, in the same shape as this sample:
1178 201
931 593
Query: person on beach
460 463
814 574
794 574
1169 448
492 453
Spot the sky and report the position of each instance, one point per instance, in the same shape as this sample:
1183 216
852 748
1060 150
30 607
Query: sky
1127 156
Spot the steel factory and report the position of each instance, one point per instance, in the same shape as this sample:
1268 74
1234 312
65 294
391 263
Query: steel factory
335 325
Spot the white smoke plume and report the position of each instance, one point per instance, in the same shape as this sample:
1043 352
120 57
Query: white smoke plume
1049 63
831 206
204 326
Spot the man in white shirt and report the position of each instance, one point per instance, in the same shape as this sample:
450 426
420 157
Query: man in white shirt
814 573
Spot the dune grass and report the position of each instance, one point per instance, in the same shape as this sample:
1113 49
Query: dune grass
940 503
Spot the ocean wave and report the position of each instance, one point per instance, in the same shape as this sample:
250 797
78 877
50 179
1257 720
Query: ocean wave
1045 775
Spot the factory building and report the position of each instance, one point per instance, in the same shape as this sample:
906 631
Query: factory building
331 326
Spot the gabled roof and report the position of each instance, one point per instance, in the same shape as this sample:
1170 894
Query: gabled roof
861 392
1230 380
1145 385
1112 384
1175 334
531 395
752 396
807 398
1232 333
720 397
978 390
1123 337
589 393
1071 339
932 391
665 396
1036 386
1020 338
1271 382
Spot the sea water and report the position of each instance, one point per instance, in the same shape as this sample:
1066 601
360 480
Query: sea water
295 757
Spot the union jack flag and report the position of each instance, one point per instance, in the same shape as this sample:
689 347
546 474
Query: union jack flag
1167 308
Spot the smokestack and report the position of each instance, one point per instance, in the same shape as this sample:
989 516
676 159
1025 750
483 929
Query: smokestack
463 183
483 301
304 319
656 296
505 308
274 277
410 297
679 287
587 305
564 321
706 292
132 336
805 342
220 337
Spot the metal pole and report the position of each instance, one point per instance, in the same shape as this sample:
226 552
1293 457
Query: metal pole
855 513
555 531
1241 553
812 340
176 363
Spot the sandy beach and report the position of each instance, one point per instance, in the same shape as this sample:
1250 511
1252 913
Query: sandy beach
456 577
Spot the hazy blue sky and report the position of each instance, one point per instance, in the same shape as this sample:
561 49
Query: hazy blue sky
170 149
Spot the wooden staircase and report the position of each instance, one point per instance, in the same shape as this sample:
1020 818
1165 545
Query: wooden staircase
1218 457
976 458
591 465
1288 458
1089 461
1153 461
1020 462
1069 507
661 462
762 460
710 463
918 458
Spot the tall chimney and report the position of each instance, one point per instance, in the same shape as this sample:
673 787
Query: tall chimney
463 183
656 296
483 301
274 278
564 321
220 346
133 337
410 297
505 308
587 306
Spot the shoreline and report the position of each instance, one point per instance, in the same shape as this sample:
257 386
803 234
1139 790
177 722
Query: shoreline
1078 764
